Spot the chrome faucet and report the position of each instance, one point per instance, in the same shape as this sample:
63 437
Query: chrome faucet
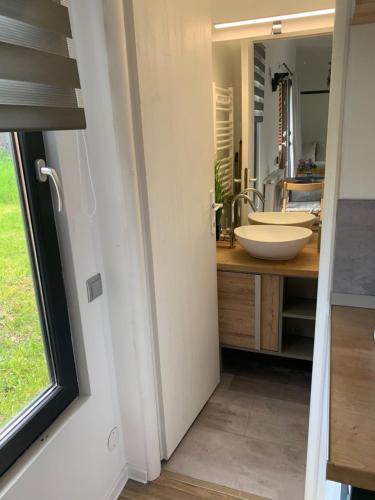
257 193
235 199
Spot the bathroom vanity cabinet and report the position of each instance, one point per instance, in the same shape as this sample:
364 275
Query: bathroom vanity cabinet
268 306
237 309
249 307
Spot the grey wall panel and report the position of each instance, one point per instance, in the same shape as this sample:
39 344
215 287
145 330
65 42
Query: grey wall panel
354 268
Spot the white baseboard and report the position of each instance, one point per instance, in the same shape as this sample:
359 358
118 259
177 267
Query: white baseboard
128 472
137 474
118 485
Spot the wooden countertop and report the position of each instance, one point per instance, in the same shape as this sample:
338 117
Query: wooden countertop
352 401
305 265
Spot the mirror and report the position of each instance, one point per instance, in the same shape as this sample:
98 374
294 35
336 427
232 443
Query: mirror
288 101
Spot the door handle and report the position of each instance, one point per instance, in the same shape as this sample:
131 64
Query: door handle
43 173
245 182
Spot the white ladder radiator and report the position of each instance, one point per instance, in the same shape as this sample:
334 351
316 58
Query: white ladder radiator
223 133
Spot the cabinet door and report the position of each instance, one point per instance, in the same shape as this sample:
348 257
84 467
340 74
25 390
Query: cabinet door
237 309
270 312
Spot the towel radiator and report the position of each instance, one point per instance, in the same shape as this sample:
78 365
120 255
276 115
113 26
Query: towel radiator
224 133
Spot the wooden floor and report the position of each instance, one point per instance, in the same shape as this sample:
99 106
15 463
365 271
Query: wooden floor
171 486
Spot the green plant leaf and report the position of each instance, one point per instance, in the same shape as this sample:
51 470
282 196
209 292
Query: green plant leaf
219 184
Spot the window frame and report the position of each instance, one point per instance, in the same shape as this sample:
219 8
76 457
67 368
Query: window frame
45 260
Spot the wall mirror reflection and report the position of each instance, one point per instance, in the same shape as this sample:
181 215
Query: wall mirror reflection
270 125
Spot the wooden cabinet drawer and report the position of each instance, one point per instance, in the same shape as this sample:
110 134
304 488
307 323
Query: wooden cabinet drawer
250 310
237 309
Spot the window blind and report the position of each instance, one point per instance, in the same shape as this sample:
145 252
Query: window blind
259 80
38 79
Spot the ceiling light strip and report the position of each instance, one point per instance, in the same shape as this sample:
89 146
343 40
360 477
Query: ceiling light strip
261 20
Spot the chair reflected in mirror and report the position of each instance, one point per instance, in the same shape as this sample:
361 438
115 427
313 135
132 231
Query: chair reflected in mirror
299 197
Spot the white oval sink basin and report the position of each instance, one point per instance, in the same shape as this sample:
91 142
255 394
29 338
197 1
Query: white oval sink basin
272 242
302 219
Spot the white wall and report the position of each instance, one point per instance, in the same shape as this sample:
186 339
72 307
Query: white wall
313 62
74 462
312 70
357 167
227 72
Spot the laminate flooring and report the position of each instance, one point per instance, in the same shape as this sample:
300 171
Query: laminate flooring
170 486
252 433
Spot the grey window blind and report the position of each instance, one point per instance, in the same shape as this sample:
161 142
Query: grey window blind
259 83
38 79
259 79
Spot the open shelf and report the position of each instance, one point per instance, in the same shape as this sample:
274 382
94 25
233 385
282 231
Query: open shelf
295 346
299 308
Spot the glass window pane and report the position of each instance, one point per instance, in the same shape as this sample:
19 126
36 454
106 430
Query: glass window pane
24 368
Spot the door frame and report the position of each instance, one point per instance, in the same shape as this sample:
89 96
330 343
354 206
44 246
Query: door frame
316 485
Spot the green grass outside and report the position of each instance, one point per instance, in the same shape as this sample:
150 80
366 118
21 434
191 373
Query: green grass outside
23 368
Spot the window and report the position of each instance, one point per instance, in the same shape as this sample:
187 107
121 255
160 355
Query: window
37 371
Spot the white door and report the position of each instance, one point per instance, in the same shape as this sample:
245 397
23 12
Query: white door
174 59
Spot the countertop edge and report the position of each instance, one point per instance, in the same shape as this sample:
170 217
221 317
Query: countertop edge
351 457
353 300
255 270
348 475
236 259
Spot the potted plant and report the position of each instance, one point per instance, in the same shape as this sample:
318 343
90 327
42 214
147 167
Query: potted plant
219 195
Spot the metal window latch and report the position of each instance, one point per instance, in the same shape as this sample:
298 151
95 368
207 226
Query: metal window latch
42 174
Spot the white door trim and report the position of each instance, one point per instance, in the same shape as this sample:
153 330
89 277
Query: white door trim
142 423
317 455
